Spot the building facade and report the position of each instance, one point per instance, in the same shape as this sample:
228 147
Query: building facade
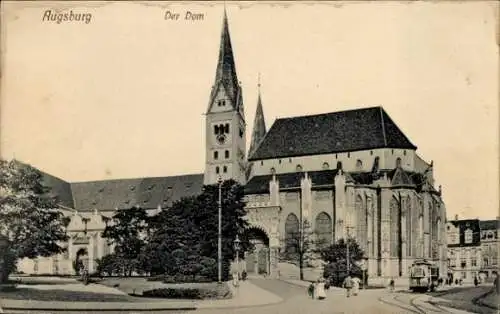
464 249
489 248
349 174
473 248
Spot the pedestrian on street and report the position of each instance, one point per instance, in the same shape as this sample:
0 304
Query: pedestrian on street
347 284
391 285
310 290
320 289
355 285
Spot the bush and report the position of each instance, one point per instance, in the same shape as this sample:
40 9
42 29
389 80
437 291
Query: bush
186 279
337 272
190 293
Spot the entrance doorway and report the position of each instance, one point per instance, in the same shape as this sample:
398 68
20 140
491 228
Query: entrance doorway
258 260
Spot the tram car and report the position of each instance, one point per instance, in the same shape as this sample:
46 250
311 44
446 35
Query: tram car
424 276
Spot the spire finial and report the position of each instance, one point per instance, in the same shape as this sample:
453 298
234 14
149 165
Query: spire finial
258 82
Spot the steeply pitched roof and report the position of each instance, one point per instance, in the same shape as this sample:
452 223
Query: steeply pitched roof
342 131
147 193
225 73
259 126
59 188
401 177
489 224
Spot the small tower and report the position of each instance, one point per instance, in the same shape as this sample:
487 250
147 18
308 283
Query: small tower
225 119
259 125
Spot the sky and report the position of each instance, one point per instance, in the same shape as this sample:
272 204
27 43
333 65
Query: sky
124 95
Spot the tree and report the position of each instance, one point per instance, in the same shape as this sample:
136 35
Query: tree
127 231
190 230
301 246
233 222
336 258
30 223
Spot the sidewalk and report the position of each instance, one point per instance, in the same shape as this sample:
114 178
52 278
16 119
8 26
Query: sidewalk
246 295
305 284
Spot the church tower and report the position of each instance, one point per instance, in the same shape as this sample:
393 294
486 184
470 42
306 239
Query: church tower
225 119
259 126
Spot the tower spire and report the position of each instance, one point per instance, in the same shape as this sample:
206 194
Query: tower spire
226 68
259 124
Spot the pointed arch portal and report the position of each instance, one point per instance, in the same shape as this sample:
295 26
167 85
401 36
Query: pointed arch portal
258 259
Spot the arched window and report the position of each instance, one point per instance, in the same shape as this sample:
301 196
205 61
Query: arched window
324 229
361 223
438 237
395 236
216 155
339 165
298 168
375 164
326 166
398 162
217 170
216 129
224 169
226 154
291 234
273 171
359 164
226 128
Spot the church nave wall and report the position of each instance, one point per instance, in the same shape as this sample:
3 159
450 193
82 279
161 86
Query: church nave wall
351 161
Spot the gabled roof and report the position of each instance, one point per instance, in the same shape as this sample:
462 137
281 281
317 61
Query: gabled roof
401 177
147 193
335 132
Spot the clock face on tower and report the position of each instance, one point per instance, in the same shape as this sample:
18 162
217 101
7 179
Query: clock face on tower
221 139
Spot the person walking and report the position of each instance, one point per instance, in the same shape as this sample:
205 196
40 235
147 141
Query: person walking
391 285
320 289
347 284
355 285
310 290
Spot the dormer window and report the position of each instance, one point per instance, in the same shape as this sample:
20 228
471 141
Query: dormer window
339 165
298 168
326 166
359 164
273 171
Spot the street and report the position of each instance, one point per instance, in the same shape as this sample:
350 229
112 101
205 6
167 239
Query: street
460 300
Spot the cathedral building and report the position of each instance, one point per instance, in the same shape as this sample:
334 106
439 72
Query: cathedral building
348 173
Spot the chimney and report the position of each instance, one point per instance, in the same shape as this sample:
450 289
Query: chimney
456 217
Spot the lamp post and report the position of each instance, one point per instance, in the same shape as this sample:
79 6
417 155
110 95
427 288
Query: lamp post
219 243
237 249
